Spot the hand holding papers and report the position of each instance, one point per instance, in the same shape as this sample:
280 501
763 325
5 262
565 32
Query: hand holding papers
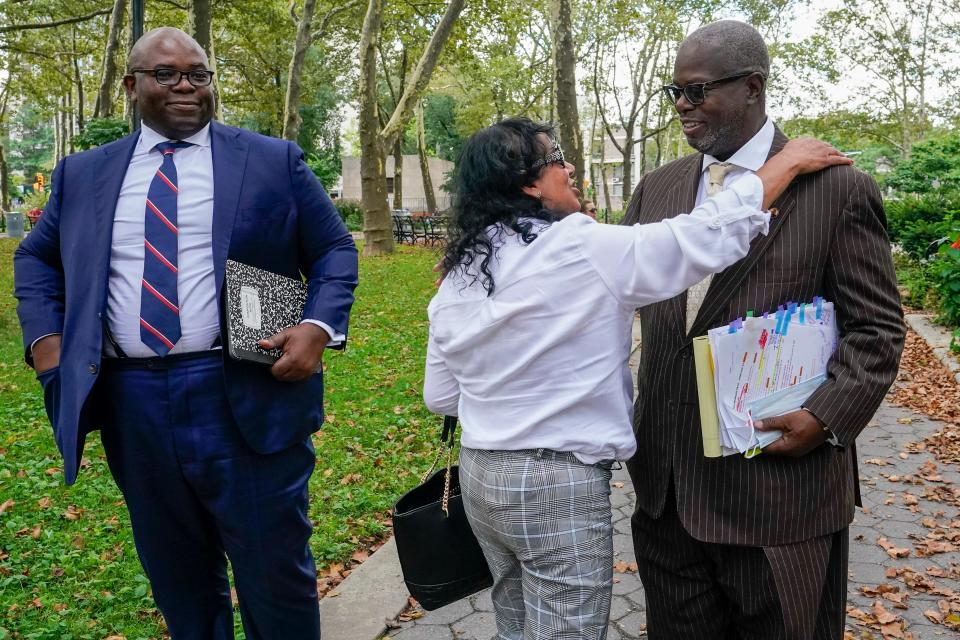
756 368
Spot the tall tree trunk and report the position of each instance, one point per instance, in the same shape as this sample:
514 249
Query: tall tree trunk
80 100
397 175
130 111
4 182
627 186
565 65
425 162
377 225
103 108
398 145
58 133
200 26
589 153
291 105
606 184
68 124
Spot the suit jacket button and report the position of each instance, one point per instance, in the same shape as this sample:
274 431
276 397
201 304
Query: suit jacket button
92 368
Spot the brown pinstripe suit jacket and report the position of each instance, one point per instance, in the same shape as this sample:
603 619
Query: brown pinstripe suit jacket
829 239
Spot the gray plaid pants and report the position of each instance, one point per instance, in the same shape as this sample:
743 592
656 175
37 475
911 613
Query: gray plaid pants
543 520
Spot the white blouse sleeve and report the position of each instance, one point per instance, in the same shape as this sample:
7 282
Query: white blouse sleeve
647 263
441 391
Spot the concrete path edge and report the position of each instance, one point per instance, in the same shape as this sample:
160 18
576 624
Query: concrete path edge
373 593
937 337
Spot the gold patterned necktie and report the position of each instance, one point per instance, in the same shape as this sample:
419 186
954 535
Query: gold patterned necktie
717 172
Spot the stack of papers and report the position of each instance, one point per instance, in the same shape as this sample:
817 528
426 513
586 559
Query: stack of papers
758 367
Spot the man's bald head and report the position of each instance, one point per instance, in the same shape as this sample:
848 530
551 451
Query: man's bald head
178 110
730 60
736 46
139 52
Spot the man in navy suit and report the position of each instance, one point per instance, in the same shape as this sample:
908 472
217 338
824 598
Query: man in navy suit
120 290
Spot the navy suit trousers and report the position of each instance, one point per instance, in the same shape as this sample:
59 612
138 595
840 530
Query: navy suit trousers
198 495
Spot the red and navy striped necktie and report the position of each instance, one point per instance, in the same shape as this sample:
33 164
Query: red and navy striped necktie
159 304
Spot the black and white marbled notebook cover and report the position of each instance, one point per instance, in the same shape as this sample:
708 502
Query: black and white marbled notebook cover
259 304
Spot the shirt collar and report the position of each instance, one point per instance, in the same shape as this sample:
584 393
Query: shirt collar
751 155
150 138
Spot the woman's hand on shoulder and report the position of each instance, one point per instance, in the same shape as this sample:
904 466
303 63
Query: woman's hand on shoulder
807 155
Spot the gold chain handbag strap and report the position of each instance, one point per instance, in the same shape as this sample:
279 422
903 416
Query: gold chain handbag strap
446 437
446 482
447 442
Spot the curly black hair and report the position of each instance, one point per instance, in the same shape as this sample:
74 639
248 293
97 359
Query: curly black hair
493 167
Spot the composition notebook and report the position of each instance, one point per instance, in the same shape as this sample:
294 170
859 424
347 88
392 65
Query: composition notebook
259 304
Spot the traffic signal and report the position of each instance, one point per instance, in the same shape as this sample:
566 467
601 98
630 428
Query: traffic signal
40 181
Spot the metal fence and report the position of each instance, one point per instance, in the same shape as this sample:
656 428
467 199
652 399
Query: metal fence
419 205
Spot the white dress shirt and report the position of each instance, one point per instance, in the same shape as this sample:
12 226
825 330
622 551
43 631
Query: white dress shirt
542 363
196 283
747 159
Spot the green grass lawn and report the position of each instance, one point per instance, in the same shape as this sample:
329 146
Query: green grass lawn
68 567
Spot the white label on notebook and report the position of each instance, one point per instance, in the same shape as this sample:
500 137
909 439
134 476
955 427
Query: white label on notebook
250 308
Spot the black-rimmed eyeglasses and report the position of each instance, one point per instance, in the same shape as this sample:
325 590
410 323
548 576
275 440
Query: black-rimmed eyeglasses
172 77
555 156
696 92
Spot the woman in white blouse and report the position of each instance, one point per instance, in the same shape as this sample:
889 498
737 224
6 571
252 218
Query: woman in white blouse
529 340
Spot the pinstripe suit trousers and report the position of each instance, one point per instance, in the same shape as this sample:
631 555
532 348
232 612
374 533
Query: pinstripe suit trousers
708 591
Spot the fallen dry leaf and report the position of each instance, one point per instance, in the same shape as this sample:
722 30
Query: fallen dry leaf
72 513
360 556
892 550
625 567
934 616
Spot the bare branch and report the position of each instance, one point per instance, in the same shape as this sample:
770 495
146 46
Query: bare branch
56 23
325 21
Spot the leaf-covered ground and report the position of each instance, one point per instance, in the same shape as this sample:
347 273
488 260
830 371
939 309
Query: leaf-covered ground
912 500
926 386
68 568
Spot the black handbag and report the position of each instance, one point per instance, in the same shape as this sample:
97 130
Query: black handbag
441 559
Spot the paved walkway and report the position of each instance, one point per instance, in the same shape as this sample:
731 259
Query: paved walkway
889 471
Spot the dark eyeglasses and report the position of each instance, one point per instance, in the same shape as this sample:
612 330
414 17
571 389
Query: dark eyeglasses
172 77
554 156
696 92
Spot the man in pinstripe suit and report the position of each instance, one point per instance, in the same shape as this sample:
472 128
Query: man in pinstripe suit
729 547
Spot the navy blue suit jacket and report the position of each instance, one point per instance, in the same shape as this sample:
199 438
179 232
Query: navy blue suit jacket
269 211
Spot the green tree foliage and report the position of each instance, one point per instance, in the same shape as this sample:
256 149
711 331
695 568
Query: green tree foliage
933 165
30 148
947 269
101 131
442 129
889 57
326 166
920 222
